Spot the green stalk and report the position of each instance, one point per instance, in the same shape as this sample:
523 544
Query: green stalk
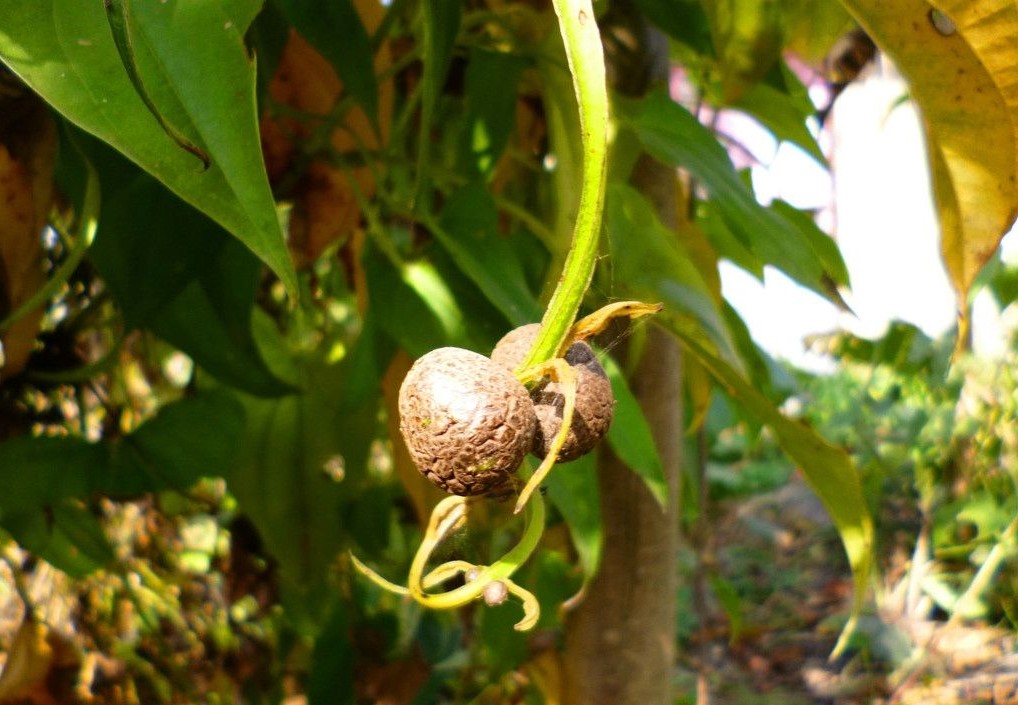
586 64
499 570
984 577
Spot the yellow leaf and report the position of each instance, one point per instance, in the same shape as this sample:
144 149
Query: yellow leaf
28 661
699 387
545 672
325 208
27 154
960 58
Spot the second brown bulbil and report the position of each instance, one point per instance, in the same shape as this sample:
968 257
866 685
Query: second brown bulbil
595 403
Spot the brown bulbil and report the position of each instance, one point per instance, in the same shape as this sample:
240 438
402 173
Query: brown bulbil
467 422
595 403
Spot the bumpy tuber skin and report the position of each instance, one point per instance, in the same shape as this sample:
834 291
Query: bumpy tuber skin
595 403
467 421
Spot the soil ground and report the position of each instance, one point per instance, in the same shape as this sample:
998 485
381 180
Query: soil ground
771 597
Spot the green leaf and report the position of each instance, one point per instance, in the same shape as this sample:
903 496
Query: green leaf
1002 281
822 244
779 112
67 536
827 469
211 321
335 30
491 96
192 62
366 363
748 36
146 273
813 26
648 262
186 279
277 479
505 649
301 458
752 357
413 304
121 19
188 439
726 243
904 347
267 37
731 603
683 20
573 488
630 436
468 230
673 135
486 322
371 519
37 472
331 678
439 21
981 509
84 533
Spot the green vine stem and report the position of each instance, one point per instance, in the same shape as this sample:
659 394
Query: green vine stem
585 55
446 517
499 570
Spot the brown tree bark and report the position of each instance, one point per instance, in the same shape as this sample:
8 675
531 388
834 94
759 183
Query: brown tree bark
619 646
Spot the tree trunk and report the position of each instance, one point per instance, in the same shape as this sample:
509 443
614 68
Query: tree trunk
620 640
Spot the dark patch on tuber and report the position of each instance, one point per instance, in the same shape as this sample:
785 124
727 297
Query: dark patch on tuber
467 422
595 403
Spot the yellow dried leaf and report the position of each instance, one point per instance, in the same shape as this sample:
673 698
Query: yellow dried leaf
28 662
960 58
699 386
325 208
27 155
545 671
